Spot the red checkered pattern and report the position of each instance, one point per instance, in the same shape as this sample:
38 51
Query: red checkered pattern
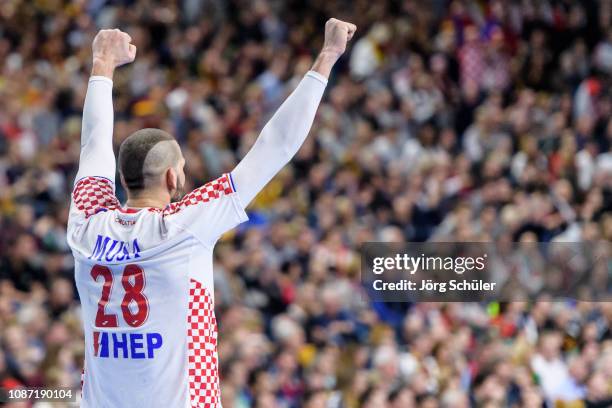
94 193
209 191
471 60
202 348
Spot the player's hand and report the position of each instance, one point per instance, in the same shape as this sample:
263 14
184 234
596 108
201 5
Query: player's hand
337 34
112 47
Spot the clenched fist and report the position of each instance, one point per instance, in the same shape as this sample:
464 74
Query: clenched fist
111 48
337 35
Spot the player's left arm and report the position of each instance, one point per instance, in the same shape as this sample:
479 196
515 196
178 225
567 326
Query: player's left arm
284 134
94 187
111 48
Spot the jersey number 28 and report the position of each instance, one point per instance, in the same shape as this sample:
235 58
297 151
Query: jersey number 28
133 293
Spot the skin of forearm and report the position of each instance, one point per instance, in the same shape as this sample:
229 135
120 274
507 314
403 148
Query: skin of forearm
101 67
325 62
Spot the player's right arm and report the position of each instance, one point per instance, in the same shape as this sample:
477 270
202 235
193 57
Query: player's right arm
285 133
94 183
280 139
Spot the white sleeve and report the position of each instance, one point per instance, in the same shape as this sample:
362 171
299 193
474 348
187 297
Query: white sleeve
94 188
280 139
208 211
97 156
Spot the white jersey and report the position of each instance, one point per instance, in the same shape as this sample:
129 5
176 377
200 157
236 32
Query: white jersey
145 276
146 287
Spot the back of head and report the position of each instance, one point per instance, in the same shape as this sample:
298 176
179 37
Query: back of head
144 156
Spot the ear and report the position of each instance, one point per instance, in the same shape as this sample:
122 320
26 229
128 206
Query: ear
171 180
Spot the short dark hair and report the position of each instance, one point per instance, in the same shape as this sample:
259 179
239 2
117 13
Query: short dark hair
133 152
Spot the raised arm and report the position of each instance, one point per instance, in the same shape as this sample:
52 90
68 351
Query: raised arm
111 48
283 135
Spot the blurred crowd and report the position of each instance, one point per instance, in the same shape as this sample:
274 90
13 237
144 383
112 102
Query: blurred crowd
445 120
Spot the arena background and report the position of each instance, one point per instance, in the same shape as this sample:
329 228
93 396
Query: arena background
445 120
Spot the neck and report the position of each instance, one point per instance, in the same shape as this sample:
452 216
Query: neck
157 199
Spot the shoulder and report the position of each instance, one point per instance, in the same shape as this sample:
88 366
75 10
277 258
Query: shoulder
211 191
94 194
